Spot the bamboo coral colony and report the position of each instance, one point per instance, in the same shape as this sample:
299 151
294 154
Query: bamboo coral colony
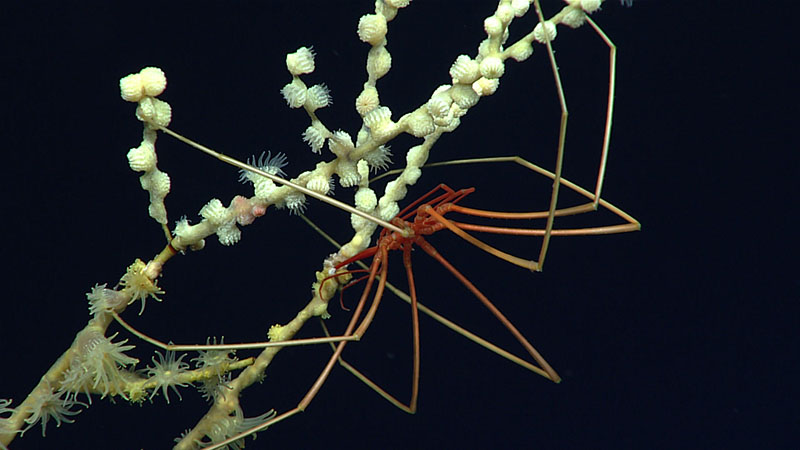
97 365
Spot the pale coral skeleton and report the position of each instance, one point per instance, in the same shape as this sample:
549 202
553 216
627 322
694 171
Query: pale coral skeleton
472 78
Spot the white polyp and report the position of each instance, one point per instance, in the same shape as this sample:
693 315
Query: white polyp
314 138
295 93
296 202
317 96
300 62
142 158
264 188
183 230
367 100
365 199
372 28
590 6
521 51
149 82
492 67
520 7
484 47
420 123
379 62
319 184
348 174
163 113
573 18
493 26
546 33
485 86
131 88
154 112
228 234
153 81
505 13
464 96
389 210
464 70
376 160
157 183
341 143
439 105
377 117
214 212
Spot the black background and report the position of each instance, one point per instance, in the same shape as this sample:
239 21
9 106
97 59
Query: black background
683 334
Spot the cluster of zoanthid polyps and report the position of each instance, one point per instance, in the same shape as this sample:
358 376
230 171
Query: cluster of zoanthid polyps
95 364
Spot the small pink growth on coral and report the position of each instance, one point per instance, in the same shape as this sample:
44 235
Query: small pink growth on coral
246 210
242 208
259 211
